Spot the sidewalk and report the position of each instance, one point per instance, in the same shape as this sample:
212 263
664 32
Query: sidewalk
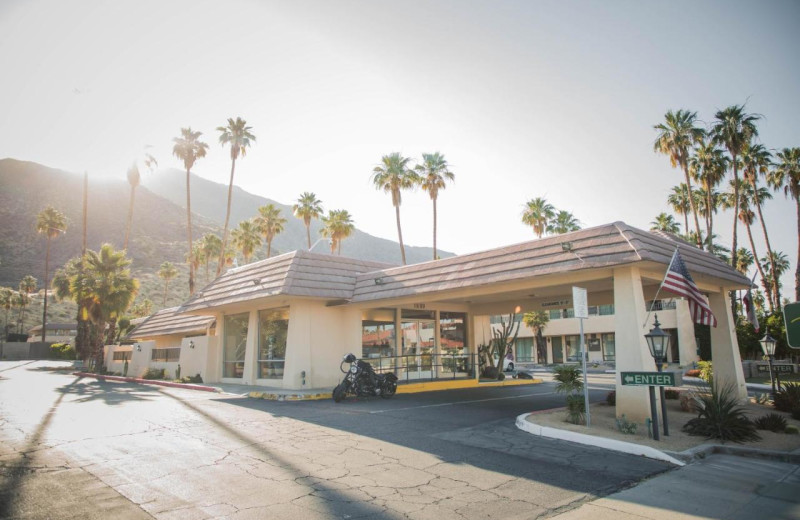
722 487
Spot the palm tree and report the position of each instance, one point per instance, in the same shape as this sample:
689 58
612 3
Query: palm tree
196 256
781 266
664 222
707 166
733 129
433 173
238 135
246 238
71 282
336 226
212 245
6 302
188 148
786 174
537 321
51 223
677 135
307 208
678 199
564 222
26 286
392 176
134 179
269 223
538 213
20 300
167 272
744 260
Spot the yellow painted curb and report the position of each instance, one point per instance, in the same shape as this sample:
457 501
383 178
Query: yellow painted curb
433 386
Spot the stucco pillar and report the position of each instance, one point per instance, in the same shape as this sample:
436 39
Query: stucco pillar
549 349
631 347
481 335
727 362
251 350
298 343
437 343
687 343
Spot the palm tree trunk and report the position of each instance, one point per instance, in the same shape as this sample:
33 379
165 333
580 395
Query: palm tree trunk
692 204
709 216
400 234
166 284
434 229
775 288
227 219
735 210
189 233
130 218
758 266
269 248
207 269
46 283
797 268
308 234
97 353
685 222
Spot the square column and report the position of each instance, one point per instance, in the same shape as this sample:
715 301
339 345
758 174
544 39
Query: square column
725 356
631 347
687 344
251 352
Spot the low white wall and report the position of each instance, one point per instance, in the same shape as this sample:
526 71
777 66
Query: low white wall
140 358
200 359
117 366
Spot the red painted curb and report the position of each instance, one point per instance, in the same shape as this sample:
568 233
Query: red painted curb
169 384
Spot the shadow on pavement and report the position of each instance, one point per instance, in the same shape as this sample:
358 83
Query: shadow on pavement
109 393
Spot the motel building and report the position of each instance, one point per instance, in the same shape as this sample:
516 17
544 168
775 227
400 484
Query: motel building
286 322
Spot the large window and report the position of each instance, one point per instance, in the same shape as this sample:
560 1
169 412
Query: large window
169 355
452 326
558 349
273 327
573 348
234 345
524 347
609 347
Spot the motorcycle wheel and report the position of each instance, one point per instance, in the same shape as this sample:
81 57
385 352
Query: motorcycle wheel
339 393
389 389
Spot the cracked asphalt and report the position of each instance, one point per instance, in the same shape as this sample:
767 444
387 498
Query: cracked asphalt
79 448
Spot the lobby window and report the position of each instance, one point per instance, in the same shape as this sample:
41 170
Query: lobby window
377 339
452 327
273 327
234 345
573 347
606 310
609 347
524 348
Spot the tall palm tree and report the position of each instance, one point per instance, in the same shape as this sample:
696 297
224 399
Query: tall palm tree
733 129
538 213
246 238
6 302
71 282
51 223
307 207
393 175
756 162
707 166
134 179
781 266
677 135
744 260
167 272
664 222
678 199
336 226
196 256
564 222
786 175
212 245
269 223
26 286
433 173
188 148
537 321
239 137
20 301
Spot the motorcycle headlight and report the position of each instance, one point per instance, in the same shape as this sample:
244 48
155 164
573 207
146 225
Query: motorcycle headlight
353 369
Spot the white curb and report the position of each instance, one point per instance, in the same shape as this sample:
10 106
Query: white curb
592 440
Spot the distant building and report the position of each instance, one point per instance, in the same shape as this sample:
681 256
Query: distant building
56 332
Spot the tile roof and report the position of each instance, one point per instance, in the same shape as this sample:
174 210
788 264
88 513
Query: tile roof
170 321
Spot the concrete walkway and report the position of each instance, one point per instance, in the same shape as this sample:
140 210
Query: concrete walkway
722 487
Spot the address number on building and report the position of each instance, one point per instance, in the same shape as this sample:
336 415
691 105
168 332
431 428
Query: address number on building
648 378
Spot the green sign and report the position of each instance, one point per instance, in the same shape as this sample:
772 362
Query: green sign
791 316
648 378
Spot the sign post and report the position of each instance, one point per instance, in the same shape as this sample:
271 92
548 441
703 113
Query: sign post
580 307
791 318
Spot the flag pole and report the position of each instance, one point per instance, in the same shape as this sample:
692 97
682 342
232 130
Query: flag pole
653 303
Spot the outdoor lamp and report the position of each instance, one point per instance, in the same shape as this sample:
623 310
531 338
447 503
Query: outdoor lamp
138 348
768 345
191 344
658 341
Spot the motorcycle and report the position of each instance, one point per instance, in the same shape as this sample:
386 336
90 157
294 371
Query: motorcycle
362 381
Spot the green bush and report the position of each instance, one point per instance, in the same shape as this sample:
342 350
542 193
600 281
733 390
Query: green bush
625 426
61 351
771 422
706 371
721 417
611 398
155 373
568 379
792 430
576 409
787 398
672 394
195 379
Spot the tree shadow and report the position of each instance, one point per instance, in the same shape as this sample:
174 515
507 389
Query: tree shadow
111 393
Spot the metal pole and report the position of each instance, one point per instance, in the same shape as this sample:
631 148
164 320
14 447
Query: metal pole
771 376
663 405
585 380
654 413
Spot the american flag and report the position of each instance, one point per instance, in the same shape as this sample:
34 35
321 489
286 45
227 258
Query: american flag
679 281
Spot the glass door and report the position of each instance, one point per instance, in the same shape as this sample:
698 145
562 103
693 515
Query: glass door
558 349
418 348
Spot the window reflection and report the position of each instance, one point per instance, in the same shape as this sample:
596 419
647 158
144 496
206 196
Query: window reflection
273 327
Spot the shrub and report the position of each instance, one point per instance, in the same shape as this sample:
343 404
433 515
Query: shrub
792 430
625 426
772 422
720 417
695 372
787 398
611 398
568 379
61 351
195 379
706 371
154 373
576 409
672 394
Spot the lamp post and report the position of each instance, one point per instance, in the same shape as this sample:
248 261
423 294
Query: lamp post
658 342
768 346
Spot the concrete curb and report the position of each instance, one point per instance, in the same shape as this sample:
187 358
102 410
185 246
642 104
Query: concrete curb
156 382
704 450
273 396
592 440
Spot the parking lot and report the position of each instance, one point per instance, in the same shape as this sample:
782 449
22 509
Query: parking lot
75 447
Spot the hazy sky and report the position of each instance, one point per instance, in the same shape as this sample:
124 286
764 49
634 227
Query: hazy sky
525 99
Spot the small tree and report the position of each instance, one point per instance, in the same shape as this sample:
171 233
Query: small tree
502 341
537 321
569 382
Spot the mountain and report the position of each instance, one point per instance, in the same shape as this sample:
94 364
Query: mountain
209 200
